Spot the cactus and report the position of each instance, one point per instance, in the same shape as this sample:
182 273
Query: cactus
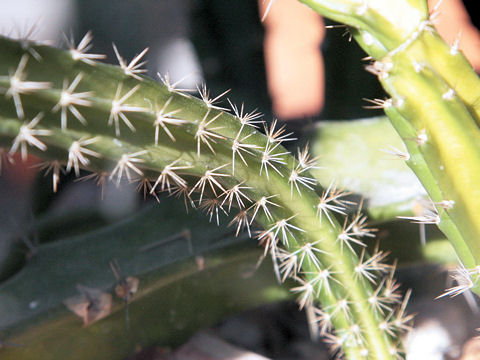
433 106
79 114
42 315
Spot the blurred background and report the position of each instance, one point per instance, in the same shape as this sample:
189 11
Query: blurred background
288 66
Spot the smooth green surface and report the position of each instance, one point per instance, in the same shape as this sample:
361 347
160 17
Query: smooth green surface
418 164
185 285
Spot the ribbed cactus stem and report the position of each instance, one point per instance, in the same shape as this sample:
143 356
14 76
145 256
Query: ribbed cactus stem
449 61
417 163
125 127
452 146
433 88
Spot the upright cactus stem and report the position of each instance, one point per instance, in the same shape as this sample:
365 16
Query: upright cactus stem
417 163
434 106
451 144
79 114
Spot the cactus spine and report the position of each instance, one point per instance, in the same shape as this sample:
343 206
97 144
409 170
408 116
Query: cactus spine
433 106
79 114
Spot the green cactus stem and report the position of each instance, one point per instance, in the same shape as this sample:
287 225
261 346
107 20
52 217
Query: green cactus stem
79 114
417 163
201 262
434 107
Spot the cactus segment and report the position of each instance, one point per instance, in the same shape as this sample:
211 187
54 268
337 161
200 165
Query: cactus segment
449 61
58 316
419 166
450 145
435 90
218 162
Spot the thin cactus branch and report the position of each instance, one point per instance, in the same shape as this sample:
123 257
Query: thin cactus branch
434 107
120 141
